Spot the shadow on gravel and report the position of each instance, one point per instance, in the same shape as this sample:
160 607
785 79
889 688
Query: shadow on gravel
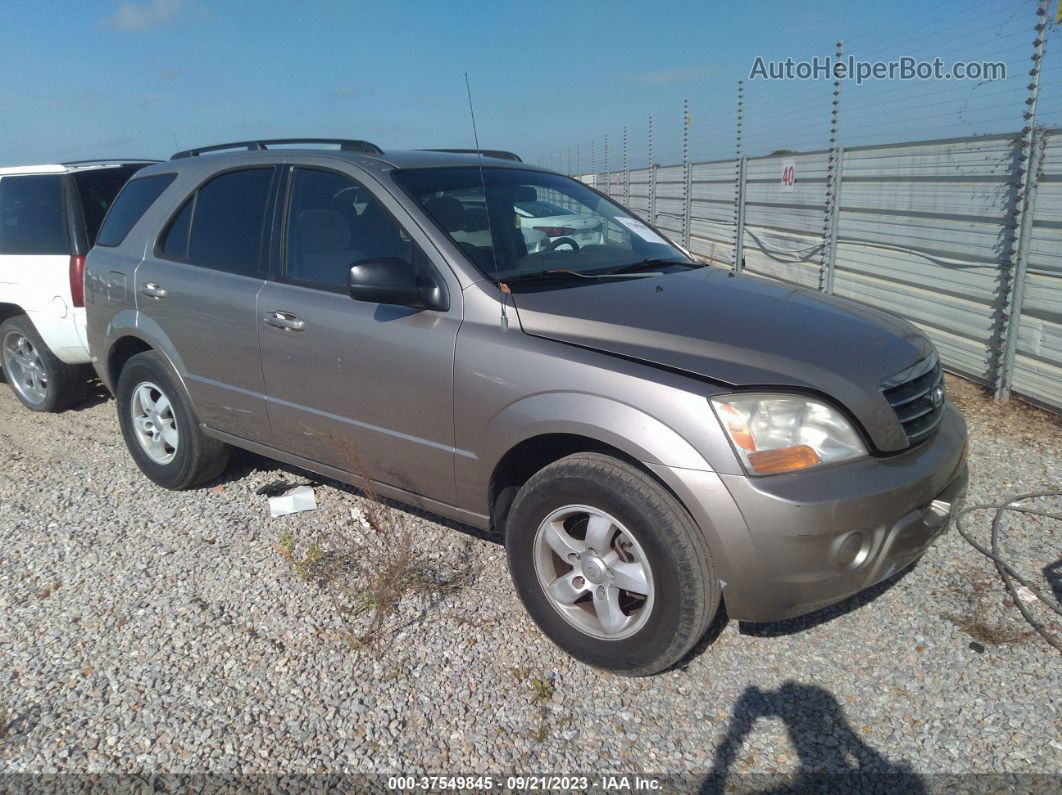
95 393
831 755
16 727
1053 575
791 626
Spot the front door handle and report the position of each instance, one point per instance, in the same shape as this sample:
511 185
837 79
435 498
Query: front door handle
152 290
285 320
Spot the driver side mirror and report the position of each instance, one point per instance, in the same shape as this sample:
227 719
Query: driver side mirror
393 280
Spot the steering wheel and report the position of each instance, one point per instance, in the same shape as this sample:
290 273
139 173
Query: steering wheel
563 241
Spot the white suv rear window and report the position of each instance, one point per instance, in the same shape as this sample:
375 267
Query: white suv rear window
31 215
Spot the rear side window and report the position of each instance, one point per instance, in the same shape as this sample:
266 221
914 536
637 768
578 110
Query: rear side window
131 204
227 218
31 215
97 188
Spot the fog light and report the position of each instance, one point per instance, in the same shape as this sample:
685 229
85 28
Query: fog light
852 550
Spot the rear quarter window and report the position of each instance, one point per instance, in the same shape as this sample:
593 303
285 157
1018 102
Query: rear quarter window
134 200
32 220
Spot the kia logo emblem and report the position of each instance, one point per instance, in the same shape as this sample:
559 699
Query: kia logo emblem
937 396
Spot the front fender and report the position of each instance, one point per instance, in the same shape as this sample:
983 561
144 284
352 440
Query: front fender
624 427
662 448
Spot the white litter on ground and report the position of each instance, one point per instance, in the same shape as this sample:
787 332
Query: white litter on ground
1025 594
298 499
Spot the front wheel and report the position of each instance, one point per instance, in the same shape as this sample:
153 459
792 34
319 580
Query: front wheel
609 565
160 428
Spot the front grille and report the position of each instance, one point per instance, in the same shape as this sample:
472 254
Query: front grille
917 396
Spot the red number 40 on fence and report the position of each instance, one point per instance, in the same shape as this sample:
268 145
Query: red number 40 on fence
788 175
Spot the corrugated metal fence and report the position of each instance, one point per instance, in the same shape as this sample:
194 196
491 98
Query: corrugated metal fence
1038 360
932 231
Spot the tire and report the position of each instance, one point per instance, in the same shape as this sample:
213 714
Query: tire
36 376
563 241
160 428
652 544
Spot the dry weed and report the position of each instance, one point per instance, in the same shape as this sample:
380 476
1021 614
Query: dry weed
368 571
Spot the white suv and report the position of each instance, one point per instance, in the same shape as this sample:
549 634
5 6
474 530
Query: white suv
49 217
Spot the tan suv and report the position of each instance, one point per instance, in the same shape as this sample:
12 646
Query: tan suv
653 437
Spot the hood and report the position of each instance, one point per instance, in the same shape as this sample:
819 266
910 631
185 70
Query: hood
739 331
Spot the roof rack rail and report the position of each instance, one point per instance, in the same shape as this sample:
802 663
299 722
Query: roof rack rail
499 153
344 144
108 161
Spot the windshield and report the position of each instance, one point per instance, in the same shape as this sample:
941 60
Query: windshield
541 209
584 232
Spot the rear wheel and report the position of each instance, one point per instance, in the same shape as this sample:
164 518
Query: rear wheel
36 375
609 565
160 428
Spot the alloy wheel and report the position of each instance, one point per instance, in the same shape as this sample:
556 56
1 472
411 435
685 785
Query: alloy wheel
154 422
593 572
24 368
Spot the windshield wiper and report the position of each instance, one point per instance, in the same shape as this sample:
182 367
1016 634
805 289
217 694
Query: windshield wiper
535 276
563 273
654 262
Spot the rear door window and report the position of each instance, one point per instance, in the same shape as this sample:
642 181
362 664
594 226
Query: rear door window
227 217
31 215
97 188
134 200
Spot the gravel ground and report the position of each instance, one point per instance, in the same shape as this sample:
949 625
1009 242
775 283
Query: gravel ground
143 630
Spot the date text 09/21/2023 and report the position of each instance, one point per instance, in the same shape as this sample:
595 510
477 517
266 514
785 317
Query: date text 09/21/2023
524 783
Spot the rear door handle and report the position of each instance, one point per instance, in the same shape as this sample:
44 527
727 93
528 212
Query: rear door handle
285 320
152 290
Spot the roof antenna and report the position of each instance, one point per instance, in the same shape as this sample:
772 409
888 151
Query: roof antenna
483 183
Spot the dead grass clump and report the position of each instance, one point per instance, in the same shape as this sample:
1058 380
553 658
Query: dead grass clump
369 565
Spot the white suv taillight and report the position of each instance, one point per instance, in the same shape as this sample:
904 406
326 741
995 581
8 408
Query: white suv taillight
77 280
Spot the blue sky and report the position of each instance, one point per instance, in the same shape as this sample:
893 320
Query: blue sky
87 79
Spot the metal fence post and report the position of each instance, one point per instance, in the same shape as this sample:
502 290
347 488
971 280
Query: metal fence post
833 184
608 176
739 227
687 199
1034 163
652 177
1030 161
593 160
739 183
626 173
830 251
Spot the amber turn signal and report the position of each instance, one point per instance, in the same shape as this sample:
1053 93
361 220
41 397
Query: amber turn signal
738 427
788 459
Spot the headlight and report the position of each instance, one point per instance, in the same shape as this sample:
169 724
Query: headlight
784 433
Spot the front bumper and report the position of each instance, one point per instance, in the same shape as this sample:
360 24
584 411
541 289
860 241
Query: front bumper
814 538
